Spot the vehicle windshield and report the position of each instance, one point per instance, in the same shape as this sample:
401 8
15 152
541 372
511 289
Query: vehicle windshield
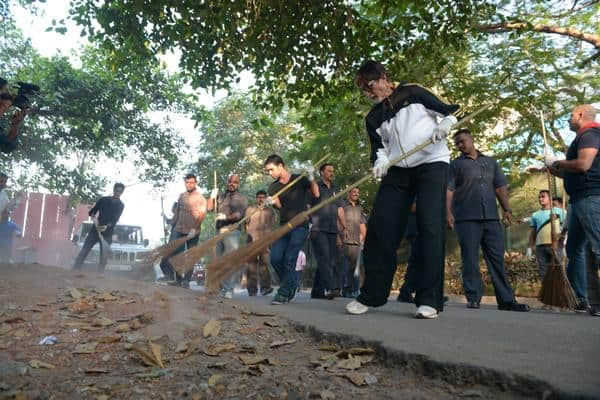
122 234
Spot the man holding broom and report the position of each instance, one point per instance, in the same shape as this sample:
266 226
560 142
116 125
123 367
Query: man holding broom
105 214
231 209
581 174
403 118
284 252
191 210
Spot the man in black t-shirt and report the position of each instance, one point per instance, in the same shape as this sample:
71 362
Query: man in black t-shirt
105 215
581 174
284 252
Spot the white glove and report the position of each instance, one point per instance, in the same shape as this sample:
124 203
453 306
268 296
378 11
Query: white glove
101 228
529 253
221 217
310 173
381 165
443 128
550 159
269 201
192 234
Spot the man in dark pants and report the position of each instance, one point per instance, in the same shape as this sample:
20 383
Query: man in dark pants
323 237
165 267
475 180
284 252
403 118
191 210
407 290
581 174
105 214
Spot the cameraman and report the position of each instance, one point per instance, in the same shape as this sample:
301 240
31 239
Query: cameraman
8 141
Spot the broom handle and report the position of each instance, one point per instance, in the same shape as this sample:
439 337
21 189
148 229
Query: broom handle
549 177
395 161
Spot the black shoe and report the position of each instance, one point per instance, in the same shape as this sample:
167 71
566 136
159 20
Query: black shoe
252 294
582 306
595 310
473 304
332 294
514 306
405 298
264 292
317 295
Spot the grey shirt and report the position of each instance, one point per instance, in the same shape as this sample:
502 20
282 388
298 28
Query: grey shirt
325 220
232 204
474 183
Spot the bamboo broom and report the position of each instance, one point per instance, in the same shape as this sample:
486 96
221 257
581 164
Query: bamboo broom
223 267
556 289
185 261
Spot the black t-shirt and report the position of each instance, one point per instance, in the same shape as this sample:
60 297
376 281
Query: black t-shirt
580 185
109 211
6 144
294 200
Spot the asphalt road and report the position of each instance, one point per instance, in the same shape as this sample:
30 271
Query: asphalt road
559 348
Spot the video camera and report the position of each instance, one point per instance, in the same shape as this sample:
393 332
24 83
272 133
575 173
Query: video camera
20 99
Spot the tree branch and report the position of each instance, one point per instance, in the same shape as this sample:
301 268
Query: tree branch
575 9
557 30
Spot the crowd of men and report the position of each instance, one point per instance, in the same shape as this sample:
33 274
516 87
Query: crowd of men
420 195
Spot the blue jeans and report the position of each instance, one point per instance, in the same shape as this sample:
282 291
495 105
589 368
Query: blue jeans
230 242
284 254
584 233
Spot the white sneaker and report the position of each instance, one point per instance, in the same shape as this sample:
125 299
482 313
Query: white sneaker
426 312
356 308
228 294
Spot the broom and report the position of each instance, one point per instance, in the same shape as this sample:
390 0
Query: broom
556 289
185 261
225 266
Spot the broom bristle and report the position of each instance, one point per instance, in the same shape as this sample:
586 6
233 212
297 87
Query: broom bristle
185 261
164 250
225 266
556 289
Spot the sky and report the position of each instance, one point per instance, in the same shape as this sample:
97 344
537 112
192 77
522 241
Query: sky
142 201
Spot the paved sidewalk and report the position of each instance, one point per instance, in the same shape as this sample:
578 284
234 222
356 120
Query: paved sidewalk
559 348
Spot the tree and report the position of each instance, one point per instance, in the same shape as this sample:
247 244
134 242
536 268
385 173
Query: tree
88 114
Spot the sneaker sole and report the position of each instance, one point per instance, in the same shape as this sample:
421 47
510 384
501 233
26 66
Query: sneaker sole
423 316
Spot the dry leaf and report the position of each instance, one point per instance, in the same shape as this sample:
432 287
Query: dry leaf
349 363
122 328
147 357
20 333
327 395
156 352
279 343
355 351
135 324
253 360
40 364
215 350
248 330
102 321
272 324
95 371
33 309
259 313
328 347
75 294
360 378
214 379
13 320
85 348
80 307
211 329
182 347
129 301
110 339
221 364
106 296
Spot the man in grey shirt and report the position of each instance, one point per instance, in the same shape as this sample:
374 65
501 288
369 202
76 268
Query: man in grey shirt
230 208
474 183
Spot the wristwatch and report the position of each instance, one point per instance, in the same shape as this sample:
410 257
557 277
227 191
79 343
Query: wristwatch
508 210
556 164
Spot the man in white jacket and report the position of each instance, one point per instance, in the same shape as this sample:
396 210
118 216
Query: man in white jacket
403 117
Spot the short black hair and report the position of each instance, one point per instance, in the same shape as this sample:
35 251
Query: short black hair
462 131
324 165
370 71
274 159
261 192
118 185
544 191
190 176
558 198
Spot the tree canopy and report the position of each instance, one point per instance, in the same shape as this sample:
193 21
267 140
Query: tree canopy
87 114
